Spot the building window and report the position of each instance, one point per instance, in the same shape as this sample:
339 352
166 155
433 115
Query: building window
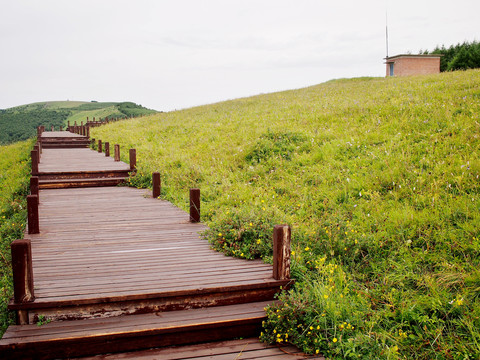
391 69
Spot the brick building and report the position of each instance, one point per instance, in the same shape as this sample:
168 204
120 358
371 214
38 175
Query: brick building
405 65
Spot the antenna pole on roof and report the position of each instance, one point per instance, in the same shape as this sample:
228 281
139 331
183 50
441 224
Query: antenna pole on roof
386 28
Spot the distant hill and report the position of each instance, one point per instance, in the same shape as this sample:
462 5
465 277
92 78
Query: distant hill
19 123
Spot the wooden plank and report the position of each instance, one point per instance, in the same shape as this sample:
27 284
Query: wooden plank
168 256
131 332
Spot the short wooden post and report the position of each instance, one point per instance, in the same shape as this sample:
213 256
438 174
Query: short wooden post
117 152
39 132
68 123
99 146
34 186
156 184
61 128
133 158
22 271
37 149
281 252
194 205
34 155
107 148
87 134
32 213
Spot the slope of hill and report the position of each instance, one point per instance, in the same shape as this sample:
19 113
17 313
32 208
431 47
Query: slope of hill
379 179
19 123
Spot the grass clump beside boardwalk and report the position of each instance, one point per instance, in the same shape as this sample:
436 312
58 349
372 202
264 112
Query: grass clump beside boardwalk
380 181
14 177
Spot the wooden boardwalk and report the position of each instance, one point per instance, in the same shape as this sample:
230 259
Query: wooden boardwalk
118 243
77 160
115 269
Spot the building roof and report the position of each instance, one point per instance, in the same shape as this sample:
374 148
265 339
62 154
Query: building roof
391 58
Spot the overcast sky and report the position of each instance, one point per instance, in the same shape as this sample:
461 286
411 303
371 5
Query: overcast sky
170 55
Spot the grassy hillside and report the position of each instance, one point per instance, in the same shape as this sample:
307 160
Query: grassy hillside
14 177
379 179
20 123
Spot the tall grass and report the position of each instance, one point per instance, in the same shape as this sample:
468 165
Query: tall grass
14 176
379 179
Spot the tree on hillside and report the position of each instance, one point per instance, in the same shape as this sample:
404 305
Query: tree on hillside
459 57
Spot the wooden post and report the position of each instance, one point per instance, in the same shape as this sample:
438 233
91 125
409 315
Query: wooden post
156 184
37 149
87 134
34 154
133 159
52 128
281 252
39 132
99 146
107 148
61 128
195 205
32 213
34 186
22 271
117 152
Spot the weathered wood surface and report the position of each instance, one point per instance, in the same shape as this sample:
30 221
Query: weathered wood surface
60 134
243 349
84 337
77 160
118 242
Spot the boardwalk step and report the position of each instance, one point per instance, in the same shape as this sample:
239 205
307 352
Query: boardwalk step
76 308
133 332
244 349
62 175
65 146
76 183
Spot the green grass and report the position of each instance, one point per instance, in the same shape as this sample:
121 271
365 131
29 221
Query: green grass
14 177
379 179
110 111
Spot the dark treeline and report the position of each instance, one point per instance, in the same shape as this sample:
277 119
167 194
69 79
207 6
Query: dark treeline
132 109
458 57
19 125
